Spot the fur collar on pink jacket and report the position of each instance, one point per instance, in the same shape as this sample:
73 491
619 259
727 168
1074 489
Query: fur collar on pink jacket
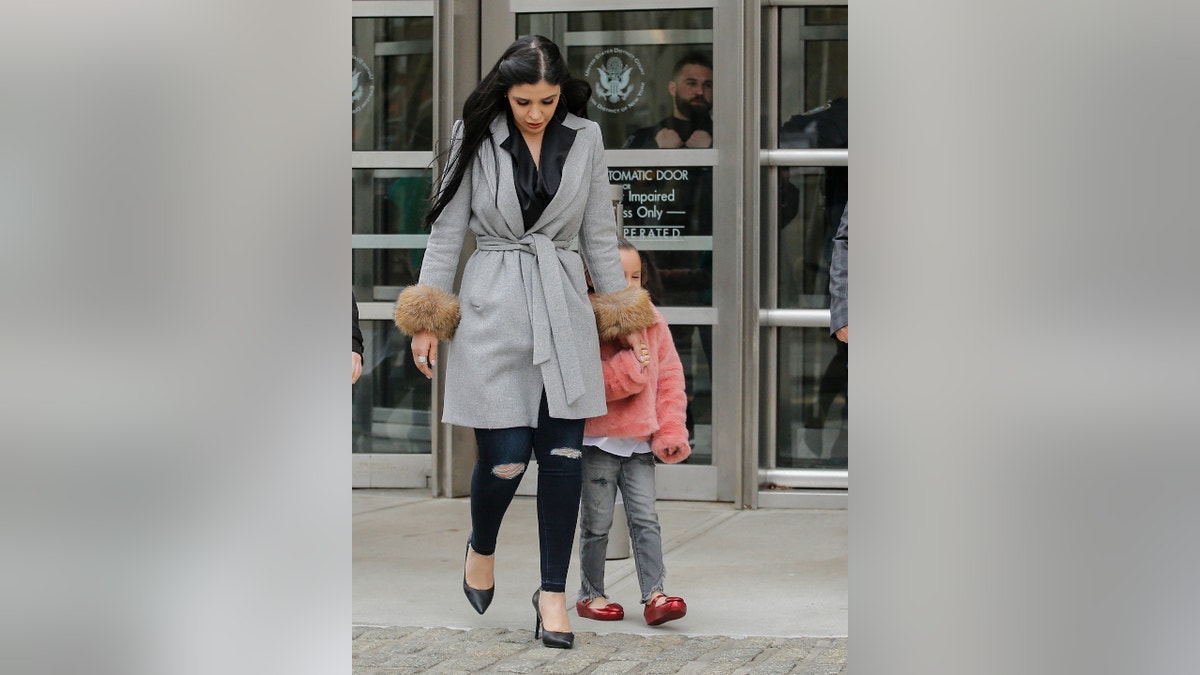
645 404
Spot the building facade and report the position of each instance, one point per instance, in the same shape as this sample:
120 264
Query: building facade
739 220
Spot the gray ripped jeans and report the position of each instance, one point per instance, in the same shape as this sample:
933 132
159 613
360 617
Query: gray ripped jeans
603 473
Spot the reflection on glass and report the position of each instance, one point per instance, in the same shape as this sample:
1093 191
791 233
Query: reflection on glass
678 278
690 123
391 401
813 106
632 83
824 16
380 273
811 201
694 344
662 19
810 366
392 84
388 201
766 273
813 60
665 202
812 408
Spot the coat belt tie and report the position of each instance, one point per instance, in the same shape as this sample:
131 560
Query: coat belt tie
545 296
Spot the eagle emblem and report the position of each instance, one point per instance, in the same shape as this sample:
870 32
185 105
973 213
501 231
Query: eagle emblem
614 80
362 84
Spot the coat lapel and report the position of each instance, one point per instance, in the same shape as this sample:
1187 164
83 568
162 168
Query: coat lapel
503 184
574 170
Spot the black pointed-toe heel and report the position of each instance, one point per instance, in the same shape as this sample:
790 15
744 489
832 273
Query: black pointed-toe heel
478 599
550 638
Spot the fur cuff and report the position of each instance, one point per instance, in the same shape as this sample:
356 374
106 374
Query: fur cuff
425 308
623 312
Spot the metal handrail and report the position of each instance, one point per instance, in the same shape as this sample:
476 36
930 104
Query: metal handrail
828 479
806 157
794 318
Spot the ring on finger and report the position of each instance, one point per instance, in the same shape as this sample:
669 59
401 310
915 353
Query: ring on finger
422 359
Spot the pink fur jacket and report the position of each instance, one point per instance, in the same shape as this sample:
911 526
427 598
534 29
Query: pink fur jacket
645 404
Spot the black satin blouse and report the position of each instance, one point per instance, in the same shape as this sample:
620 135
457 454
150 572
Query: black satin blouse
536 188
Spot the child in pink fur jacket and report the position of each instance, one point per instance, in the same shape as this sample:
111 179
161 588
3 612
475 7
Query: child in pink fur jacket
645 419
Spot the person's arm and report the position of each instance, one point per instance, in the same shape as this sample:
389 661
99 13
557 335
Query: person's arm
624 375
667 138
621 309
839 312
356 344
699 139
429 311
670 442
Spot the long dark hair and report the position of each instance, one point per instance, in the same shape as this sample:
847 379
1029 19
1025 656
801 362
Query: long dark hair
529 60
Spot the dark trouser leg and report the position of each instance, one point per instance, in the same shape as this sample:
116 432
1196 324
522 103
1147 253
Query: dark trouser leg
503 456
557 444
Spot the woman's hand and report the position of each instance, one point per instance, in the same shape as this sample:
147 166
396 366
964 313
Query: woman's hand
424 349
641 348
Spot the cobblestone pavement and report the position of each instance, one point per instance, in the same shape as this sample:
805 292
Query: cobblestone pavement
448 651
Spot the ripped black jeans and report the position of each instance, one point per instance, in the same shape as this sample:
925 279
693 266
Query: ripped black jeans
503 456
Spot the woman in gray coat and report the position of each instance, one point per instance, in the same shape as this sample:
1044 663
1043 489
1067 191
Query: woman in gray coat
521 338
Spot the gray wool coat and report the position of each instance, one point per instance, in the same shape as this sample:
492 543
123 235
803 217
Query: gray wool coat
526 323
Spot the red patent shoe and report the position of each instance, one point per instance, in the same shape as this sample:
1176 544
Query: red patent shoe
667 608
610 612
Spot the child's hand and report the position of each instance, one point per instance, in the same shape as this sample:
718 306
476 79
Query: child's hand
641 348
673 454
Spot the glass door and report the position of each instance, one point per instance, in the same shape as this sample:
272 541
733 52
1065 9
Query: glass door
802 393
656 77
392 131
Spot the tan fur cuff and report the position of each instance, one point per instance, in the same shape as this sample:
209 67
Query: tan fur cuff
425 308
623 312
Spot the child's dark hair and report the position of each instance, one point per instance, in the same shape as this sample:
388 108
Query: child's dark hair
650 280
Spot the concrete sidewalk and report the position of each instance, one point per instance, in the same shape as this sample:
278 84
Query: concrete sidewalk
778 576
